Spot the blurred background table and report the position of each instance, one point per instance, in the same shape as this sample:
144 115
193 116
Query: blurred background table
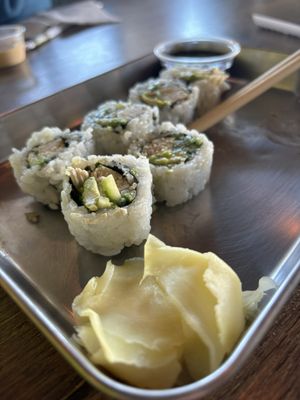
30 367
80 54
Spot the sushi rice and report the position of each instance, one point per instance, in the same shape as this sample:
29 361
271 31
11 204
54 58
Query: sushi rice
40 166
116 123
178 173
176 101
108 228
211 84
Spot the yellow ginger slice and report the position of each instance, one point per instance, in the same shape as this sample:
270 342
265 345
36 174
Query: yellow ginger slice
225 285
208 295
146 322
129 328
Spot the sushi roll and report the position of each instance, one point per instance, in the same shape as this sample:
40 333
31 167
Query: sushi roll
180 162
116 123
107 202
39 167
211 83
176 101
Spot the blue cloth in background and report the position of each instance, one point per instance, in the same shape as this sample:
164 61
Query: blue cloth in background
15 10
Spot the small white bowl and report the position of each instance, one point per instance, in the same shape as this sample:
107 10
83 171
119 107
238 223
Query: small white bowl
204 53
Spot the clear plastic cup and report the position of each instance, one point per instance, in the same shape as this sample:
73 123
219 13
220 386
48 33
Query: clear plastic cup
204 53
12 45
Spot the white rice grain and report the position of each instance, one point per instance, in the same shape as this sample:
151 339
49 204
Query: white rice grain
108 231
181 182
44 183
142 120
181 112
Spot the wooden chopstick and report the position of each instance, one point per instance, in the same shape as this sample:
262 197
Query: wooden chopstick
249 92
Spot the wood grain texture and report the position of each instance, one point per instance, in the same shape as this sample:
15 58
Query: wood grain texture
32 369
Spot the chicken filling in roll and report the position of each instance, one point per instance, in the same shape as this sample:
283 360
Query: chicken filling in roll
165 93
190 75
104 187
116 116
42 154
171 149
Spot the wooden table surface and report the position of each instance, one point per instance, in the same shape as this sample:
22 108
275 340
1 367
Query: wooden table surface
30 367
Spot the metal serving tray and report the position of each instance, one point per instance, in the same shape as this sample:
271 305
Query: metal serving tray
249 214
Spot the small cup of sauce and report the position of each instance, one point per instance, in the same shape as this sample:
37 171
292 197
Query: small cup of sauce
204 53
12 45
